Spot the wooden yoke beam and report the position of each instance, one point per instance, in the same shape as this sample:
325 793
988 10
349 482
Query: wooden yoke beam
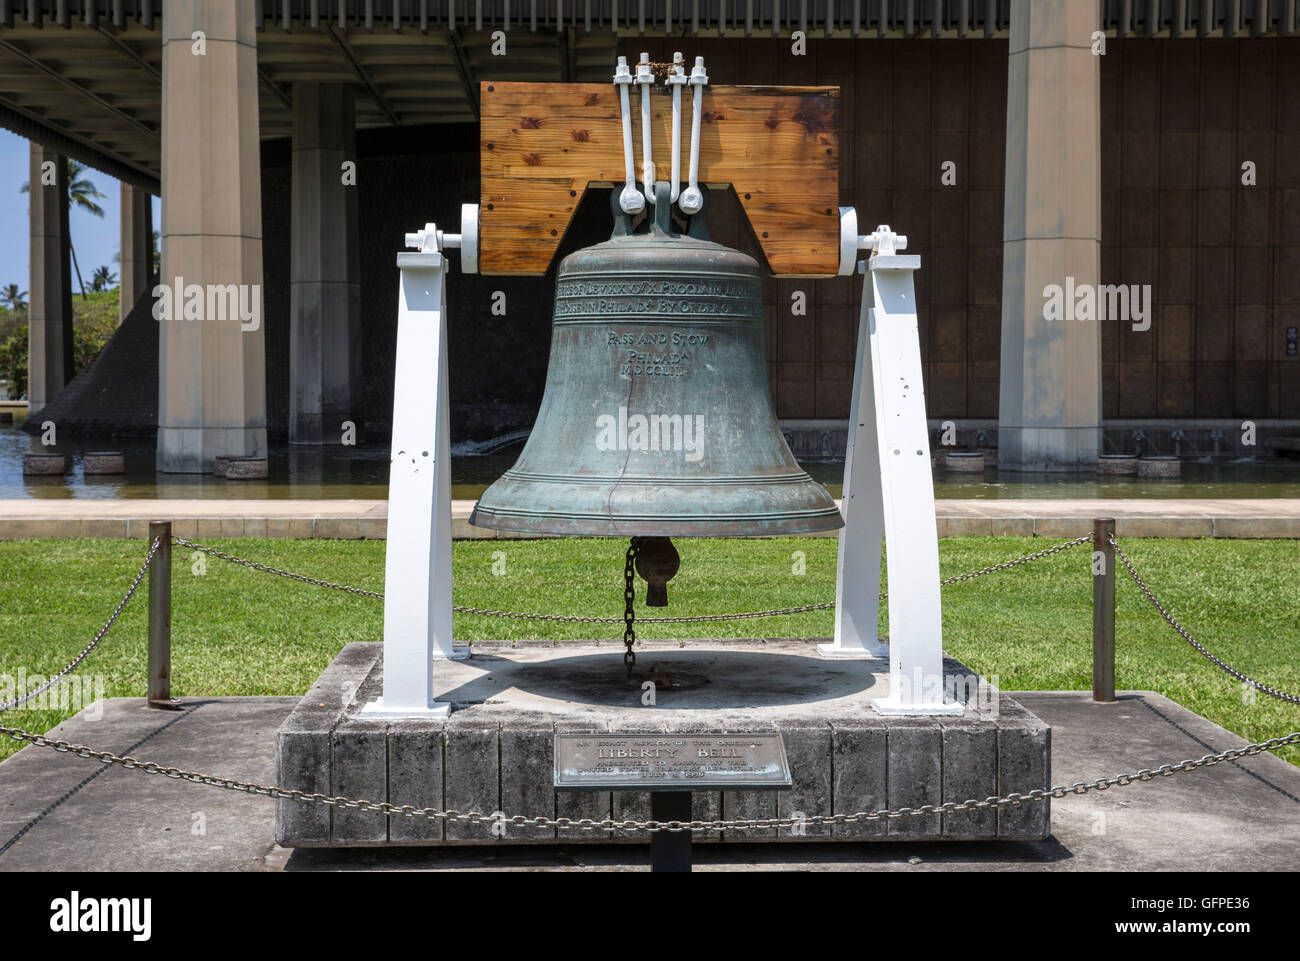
543 144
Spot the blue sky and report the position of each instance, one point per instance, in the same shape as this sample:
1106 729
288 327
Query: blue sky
96 240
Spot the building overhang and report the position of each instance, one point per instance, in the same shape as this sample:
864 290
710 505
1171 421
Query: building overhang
85 76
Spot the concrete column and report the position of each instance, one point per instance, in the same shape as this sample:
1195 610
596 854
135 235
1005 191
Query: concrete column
1049 416
212 367
136 248
49 298
325 291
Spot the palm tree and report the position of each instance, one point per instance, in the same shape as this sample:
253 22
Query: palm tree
81 193
102 279
13 298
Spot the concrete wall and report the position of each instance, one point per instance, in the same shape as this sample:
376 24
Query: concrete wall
405 178
1178 121
905 108
1224 259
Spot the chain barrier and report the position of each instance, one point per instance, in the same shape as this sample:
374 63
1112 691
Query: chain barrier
103 632
1164 612
628 593
628 619
244 562
1006 565
649 826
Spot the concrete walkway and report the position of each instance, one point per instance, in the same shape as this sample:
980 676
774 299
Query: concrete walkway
60 812
352 519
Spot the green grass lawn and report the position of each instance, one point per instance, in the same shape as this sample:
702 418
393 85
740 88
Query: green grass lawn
237 631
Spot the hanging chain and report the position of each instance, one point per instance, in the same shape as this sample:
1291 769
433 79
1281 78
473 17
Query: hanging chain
103 632
1164 612
629 604
610 824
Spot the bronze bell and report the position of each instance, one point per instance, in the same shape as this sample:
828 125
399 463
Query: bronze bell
656 418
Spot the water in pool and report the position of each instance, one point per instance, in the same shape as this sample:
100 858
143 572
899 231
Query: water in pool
362 473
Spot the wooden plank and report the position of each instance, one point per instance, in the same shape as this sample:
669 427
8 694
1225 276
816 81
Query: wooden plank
543 144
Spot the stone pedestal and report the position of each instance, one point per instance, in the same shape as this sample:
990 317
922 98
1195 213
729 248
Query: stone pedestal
103 462
241 468
1117 464
45 464
965 462
1165 467
494 752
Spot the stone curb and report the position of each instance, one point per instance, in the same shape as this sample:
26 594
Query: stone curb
370 527
368 519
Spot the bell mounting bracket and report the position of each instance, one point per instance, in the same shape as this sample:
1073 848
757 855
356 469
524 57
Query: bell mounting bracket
544 144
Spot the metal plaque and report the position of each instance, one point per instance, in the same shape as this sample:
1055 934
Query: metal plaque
670 762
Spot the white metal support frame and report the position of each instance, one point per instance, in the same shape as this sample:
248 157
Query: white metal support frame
692 200
645 79
892 491
857 608
676 80
417 564
629 198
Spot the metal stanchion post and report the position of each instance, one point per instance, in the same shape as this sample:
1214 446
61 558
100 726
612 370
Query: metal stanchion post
670 850
1103 610
160 617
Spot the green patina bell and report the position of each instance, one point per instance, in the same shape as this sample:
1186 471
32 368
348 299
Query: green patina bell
657 419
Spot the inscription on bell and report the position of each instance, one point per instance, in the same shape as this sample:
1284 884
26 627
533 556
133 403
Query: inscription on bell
637 364
660 338
660 287
659 359
668 297
684 307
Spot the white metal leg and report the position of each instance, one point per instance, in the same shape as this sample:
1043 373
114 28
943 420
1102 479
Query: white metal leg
857 578
916 683
417 571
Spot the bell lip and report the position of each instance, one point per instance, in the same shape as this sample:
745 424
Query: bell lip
585 525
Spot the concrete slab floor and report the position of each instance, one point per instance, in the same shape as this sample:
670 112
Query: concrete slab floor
59 812
706 681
